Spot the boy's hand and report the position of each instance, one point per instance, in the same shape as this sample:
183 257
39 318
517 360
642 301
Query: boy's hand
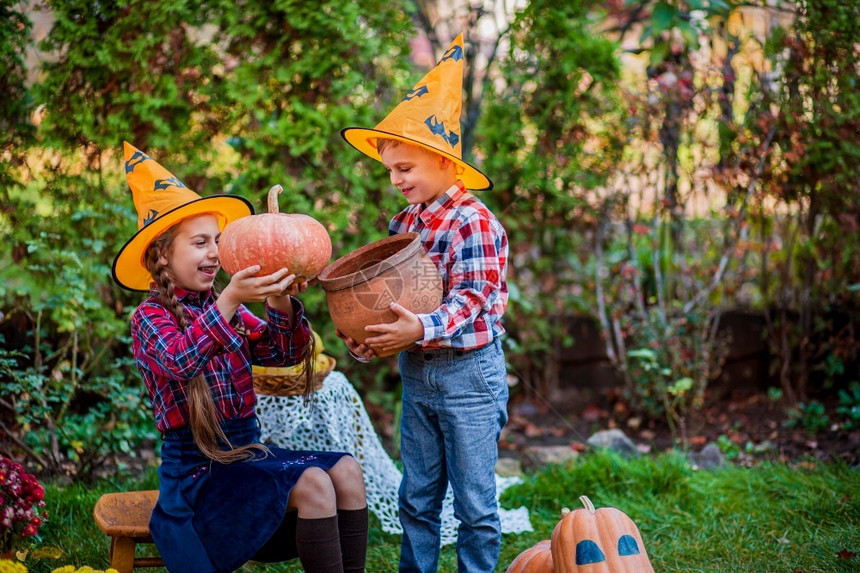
406 330
361 352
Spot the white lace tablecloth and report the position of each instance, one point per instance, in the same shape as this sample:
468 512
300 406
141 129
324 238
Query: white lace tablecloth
337 421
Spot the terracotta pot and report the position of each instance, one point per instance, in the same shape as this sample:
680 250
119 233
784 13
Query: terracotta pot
360 286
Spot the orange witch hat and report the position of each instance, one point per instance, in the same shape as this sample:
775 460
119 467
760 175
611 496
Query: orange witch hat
429 116
161 201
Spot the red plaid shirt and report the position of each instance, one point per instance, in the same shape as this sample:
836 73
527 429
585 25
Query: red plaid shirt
469 247
167 357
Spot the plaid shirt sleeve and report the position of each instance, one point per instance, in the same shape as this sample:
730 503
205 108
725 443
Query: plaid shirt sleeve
171 353
276 342
475 278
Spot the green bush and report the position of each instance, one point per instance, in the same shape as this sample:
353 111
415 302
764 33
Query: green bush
849 406
227 97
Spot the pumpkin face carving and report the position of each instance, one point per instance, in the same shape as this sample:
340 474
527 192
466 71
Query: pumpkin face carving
274 240
535 559
601 540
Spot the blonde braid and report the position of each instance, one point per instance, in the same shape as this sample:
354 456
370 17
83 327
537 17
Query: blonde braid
204 417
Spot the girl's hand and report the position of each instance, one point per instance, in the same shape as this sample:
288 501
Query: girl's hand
361 352
296 288
283 301
244 287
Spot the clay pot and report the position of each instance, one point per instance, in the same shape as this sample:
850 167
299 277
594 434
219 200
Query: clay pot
360 286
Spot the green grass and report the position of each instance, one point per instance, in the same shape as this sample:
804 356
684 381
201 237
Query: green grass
769 518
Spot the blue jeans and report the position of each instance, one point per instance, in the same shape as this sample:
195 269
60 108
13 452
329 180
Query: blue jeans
454 409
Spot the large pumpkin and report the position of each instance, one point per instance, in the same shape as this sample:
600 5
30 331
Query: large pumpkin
535 559
601 540
275 240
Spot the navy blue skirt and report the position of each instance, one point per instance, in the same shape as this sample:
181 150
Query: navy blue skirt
215 517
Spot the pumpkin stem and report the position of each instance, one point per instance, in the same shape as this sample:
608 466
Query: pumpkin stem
586 502
564 511
273 198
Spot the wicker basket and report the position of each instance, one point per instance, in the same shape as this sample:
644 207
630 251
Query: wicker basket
290 381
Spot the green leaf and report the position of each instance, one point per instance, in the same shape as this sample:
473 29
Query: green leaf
658 53
690 34
681 386
662 16
643 353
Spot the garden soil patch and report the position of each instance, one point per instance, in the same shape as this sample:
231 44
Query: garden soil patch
747 426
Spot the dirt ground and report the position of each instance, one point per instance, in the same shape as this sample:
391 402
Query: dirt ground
748 426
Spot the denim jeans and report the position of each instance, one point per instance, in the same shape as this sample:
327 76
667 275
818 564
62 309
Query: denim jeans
454 409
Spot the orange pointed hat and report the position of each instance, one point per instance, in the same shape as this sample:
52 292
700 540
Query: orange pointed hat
429 116
161 201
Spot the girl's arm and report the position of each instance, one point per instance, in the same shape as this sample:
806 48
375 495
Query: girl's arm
172 353
282 339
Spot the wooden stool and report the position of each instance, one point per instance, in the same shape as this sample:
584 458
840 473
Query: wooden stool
124 517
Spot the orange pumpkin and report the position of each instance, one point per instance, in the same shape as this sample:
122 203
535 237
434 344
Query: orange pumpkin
535 559
275 240
601 540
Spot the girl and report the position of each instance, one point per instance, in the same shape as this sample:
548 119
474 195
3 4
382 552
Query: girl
224 497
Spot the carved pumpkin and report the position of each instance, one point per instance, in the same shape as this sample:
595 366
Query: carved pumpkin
274 240
535 559
601 540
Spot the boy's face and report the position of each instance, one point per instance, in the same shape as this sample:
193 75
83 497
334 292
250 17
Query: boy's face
421 176
193 256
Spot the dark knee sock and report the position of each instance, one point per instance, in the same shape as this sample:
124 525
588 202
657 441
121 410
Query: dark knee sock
318 545
352 524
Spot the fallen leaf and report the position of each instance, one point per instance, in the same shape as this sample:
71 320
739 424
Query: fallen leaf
47 553
518 420
592 413
845 554
532 431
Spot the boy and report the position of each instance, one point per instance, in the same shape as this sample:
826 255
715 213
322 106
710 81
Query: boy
454 380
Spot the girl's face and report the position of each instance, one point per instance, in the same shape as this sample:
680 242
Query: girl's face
193 257
421 176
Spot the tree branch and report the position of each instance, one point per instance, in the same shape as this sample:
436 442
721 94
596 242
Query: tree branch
744 232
